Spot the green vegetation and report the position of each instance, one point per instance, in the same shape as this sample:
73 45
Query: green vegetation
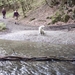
64 11
65 18
37 3
27 5
56 17
2 26
60 16
24 6
9 13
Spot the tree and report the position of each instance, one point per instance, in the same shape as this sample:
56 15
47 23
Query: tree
25 5
22 2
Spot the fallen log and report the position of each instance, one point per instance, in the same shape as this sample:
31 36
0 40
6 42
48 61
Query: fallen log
50 58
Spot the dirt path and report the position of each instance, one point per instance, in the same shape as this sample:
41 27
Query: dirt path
12 27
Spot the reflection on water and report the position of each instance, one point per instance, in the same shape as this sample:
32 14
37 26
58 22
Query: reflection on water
36 49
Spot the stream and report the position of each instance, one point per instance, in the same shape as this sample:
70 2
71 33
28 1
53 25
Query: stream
27 42
36 49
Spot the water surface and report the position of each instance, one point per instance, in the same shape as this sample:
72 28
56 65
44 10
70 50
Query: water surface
36 49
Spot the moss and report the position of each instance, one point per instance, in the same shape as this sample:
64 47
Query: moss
56 17
54 20
2 26
65 18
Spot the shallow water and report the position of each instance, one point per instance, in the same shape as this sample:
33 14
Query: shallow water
35 49
56 37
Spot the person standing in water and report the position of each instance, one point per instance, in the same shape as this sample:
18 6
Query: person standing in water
4 13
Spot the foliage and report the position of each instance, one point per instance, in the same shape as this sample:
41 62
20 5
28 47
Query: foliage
73 14
52 3
22 2
56 17
25 5
65 18
62 2
2 26
10 4
65 12
60 16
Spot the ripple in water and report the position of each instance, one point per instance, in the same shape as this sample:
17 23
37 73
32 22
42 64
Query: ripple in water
36 68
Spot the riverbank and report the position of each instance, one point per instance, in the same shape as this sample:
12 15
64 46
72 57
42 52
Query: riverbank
53 34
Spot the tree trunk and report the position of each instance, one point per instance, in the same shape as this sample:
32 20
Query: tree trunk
23 8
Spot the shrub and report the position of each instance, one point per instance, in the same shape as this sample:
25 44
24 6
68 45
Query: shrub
56 17
65 18
2 26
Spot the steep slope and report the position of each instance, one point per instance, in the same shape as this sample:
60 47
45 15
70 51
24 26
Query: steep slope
39 16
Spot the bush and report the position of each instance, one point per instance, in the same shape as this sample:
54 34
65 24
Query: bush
56 17
65 18
2 26
60 16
